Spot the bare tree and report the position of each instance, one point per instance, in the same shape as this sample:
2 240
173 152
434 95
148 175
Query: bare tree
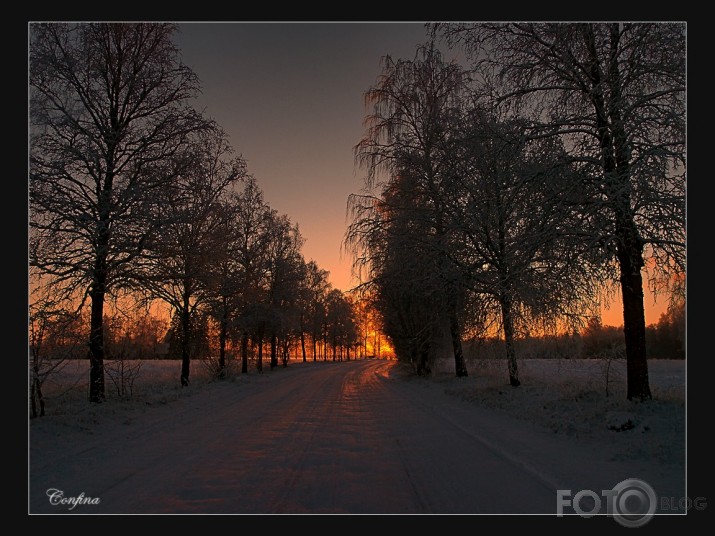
318 312
252 235
510 199
191 233
615 92
224 283
227 274
313 288
371 320
340 323
109 106
283 281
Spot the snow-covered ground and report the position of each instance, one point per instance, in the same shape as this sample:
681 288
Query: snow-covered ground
586 399
581 398
565 413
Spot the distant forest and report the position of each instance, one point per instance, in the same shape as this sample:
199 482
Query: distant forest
147 337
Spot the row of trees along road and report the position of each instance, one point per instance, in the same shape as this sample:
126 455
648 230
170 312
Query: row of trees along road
134 191
511 188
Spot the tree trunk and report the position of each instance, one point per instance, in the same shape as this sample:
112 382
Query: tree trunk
460 366
274 350
37 397
33 402
259 363
629 244
347 353
244 353
222 342
423 368
508 322
615 157
634 324
315 349
185 343
96 338
286 352
302 344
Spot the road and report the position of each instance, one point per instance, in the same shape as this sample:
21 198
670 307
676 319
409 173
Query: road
322 438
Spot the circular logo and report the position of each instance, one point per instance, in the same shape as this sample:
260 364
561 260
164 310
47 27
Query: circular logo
634 502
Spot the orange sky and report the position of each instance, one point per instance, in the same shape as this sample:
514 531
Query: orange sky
613 315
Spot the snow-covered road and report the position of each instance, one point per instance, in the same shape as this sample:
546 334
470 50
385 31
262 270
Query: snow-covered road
351 437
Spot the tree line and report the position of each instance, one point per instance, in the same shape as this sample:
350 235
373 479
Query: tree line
499 194
665 339
507 191
135 196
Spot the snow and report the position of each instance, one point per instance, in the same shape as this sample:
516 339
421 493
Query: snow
577 399
344 438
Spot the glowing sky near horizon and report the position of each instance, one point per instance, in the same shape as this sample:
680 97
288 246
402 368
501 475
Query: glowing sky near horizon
290 96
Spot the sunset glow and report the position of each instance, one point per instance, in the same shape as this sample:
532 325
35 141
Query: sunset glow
379 346
612 315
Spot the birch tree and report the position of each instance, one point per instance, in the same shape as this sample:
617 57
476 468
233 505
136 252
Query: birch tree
340 323
393 242
615 93
407 133
520 246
